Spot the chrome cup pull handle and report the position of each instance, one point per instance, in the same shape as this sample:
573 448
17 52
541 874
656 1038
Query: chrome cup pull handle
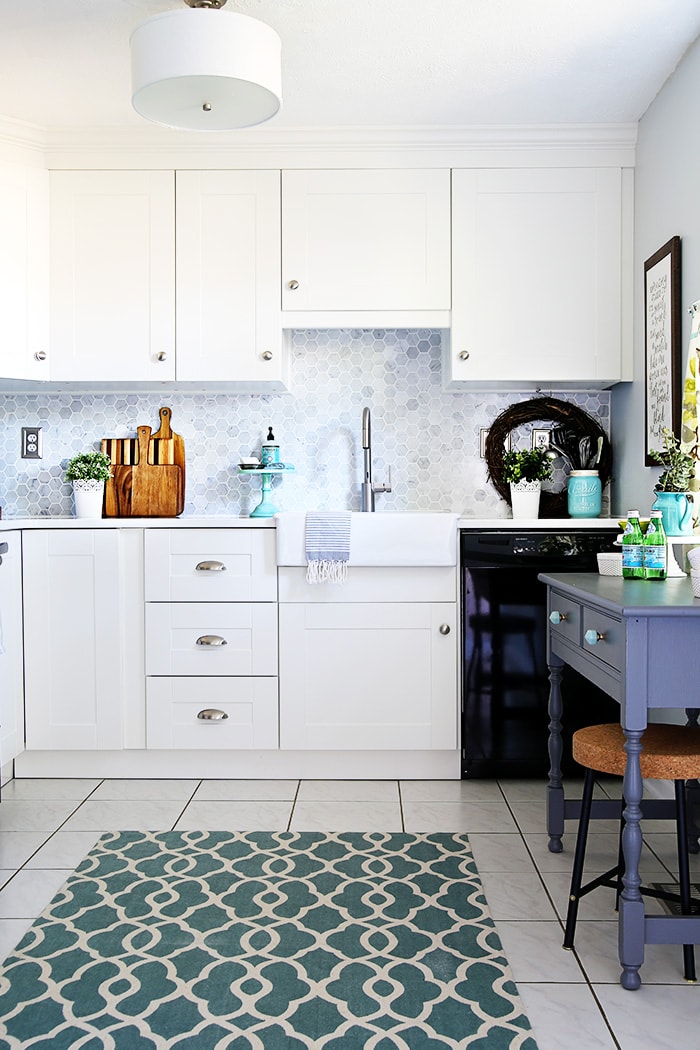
211 640
212 714
210 566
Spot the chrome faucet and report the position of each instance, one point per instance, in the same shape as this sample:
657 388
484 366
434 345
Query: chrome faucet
368 488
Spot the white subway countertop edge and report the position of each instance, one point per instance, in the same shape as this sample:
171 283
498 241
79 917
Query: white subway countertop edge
198 522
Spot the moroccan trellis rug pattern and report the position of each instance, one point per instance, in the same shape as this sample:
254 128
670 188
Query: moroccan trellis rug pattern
265 941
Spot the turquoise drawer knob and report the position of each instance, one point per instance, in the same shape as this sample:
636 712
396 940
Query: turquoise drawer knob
593 637
557 617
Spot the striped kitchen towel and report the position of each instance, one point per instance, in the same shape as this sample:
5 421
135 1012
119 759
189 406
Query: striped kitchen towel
327 546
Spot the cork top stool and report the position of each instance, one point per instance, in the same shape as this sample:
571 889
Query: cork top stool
669 752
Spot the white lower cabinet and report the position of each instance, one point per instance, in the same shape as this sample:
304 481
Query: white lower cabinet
83 640
11 667
211 648
369 674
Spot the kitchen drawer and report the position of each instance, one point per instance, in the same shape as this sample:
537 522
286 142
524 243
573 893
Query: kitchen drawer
569 625
210 565
248 633
173 704
610 647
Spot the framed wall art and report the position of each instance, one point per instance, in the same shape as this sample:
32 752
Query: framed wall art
662 345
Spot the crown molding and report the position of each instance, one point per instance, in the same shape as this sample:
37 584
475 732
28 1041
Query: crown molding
449 143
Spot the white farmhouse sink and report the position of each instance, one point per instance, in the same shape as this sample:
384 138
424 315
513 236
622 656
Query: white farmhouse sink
379 539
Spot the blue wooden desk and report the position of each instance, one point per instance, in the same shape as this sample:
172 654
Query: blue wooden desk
640 642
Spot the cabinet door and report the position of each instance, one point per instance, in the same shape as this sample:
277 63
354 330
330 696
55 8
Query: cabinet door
24 284
228 274
83 616
11 668
378 676
536 276
112 275
366 240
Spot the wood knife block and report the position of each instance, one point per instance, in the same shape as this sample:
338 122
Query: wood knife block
148 473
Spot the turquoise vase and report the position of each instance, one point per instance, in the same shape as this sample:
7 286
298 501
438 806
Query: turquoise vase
676 512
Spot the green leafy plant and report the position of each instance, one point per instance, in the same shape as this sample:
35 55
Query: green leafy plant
89 466
530 465
678 465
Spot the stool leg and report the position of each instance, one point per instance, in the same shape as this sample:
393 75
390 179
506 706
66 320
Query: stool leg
579 858
620 860
684 875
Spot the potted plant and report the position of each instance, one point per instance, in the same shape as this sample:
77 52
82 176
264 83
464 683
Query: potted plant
525 471
672 496
88 472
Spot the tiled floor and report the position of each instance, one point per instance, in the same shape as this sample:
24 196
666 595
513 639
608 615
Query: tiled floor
573 999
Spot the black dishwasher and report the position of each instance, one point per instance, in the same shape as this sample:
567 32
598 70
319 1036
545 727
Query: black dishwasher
505 685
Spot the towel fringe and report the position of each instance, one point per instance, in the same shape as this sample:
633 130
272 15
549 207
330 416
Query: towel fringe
323 571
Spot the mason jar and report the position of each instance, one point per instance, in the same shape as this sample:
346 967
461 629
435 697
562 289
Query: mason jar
584 494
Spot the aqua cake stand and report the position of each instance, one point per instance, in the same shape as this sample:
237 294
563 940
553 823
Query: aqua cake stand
266 508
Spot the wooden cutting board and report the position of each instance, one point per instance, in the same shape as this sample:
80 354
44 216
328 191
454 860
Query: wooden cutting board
148 473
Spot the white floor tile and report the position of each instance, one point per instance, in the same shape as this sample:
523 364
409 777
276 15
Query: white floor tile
11 933
601 853
39 788
150 790
566 1017
450 791
124 816
65 849
348 791
16 847
598 904
34 815
235 816
30 891
658 1018
516 896
534 952
504 852
347 816
255 790
457 816
596 947
532 817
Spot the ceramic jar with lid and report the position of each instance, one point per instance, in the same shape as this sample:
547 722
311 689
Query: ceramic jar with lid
584 494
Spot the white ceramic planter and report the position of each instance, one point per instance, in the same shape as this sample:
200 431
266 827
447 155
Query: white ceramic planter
88 497
525 498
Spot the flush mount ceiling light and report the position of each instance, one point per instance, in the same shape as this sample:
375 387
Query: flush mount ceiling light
201 71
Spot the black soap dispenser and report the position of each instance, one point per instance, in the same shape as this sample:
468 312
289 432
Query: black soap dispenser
270 453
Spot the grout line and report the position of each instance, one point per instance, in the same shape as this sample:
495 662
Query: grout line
293 807
403 821
182 812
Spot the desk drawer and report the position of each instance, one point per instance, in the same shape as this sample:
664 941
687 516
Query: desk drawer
608 646
568 614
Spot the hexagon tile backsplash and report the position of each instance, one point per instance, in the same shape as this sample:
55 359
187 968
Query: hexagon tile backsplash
429 438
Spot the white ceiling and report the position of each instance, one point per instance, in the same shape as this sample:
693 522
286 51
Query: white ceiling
66 64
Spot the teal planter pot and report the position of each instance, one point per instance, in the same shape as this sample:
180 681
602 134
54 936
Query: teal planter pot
676 512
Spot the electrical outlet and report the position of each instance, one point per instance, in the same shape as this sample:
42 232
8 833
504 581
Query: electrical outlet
31 443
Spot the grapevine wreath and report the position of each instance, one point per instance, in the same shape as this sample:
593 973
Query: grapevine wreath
543 409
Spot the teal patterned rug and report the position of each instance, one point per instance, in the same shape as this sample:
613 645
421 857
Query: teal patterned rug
265 941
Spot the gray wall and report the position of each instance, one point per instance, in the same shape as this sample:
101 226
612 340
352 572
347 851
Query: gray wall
667 202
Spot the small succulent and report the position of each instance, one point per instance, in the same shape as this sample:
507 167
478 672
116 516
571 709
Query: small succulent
679 466
89 466
529 465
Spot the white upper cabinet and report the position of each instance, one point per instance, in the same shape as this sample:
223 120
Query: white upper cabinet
24 273
112 275
536 277
366 240
228 276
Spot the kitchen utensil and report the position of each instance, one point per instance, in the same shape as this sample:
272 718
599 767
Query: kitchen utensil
170 449
148 473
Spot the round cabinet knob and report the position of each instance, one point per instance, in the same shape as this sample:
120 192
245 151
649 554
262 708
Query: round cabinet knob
212 714
40 355
293 285
210 566
211 640
592 637
162 356
267 356
557 617
444 628
463 355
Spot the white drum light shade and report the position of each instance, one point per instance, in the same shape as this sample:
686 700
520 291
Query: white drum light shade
203 70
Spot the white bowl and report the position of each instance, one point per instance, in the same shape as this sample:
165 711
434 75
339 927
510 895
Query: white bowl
609 564
695 582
